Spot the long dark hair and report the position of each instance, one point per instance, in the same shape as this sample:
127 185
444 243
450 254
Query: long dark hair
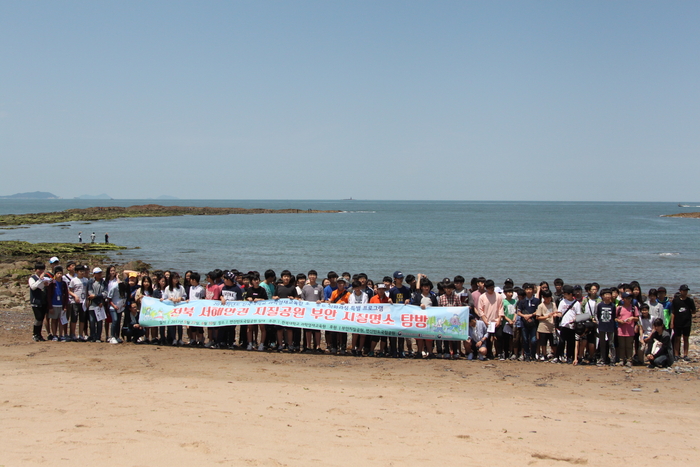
150 285
171 283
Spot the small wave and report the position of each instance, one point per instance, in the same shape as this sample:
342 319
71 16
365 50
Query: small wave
359 212
669 254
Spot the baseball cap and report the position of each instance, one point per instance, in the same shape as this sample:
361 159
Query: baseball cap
96 270
684 287
381 285
54 259
626 295
230 276
398 275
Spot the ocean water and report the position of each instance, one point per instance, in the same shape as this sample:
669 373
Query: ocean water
526 241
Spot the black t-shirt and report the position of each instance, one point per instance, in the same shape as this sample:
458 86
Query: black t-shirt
232 293
287 291
605 314
256 293
681 310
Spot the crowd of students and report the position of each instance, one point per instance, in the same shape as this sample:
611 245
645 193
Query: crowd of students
569 324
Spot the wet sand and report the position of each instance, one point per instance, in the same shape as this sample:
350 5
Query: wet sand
79 403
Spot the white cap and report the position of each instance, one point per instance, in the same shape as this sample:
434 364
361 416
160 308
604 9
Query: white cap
96 271
53 259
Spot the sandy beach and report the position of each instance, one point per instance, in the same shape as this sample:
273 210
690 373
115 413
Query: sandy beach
77 403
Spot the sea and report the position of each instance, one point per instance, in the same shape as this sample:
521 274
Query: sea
580 242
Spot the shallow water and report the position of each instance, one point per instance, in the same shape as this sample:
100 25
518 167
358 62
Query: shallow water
526 241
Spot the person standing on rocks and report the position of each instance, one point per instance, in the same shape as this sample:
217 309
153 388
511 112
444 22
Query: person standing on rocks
106 238
37 297
80 237
92 237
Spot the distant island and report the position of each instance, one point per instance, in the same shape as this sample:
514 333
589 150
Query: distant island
146 210
100 196
31 195
687 215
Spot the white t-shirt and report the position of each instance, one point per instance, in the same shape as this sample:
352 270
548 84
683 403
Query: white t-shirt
197 292
77 286
355 299
568 319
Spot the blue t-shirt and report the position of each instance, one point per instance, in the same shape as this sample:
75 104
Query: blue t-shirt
328 291
57 299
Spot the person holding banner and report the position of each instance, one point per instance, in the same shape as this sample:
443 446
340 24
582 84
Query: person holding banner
312 292
358 297
424 298
256 293
338 341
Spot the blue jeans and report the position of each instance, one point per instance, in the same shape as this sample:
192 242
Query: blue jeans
116 323
529 336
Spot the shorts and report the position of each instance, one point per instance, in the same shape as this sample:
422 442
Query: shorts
591 336
55 312
682 329
76 313
546 337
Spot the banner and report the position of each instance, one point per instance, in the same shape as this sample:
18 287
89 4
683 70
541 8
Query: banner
380 319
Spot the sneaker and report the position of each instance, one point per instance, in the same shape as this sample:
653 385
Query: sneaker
522 358
97 341
513 357
179 342
482 358
54 339
686 358
37 338
542 359
174 342
250 346
470 356
502 358
113 340
50 337
261 347
554 360
208 345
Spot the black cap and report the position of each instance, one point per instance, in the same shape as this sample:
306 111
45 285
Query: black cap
684 287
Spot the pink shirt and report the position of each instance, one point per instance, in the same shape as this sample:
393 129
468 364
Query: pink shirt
490 306
626 329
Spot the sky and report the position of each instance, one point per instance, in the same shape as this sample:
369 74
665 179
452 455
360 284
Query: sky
570 101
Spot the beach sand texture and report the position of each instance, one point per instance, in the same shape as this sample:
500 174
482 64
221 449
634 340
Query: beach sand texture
80 403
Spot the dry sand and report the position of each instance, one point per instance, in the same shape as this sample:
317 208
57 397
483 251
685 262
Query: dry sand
84 403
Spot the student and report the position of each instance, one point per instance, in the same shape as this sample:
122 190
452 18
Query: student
425 298
158 333
115 304
213 292
286 290
682 311
364 280
195 334
230 292
490 310
626 317
145 290
478 339
569 307
590 305
96 291
312 292
256 293
659 353
558 291
508 327
135 332
358 297
449 349
527 309
656 309
399 294
464 294
645 327
478 286
332 277
338 341
382 296
666 303
57 293
112 281
76 290
605 316
546 311
174 292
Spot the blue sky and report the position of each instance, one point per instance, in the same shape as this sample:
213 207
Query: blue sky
374 100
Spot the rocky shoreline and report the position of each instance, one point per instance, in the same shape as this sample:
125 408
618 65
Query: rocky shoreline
145 210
